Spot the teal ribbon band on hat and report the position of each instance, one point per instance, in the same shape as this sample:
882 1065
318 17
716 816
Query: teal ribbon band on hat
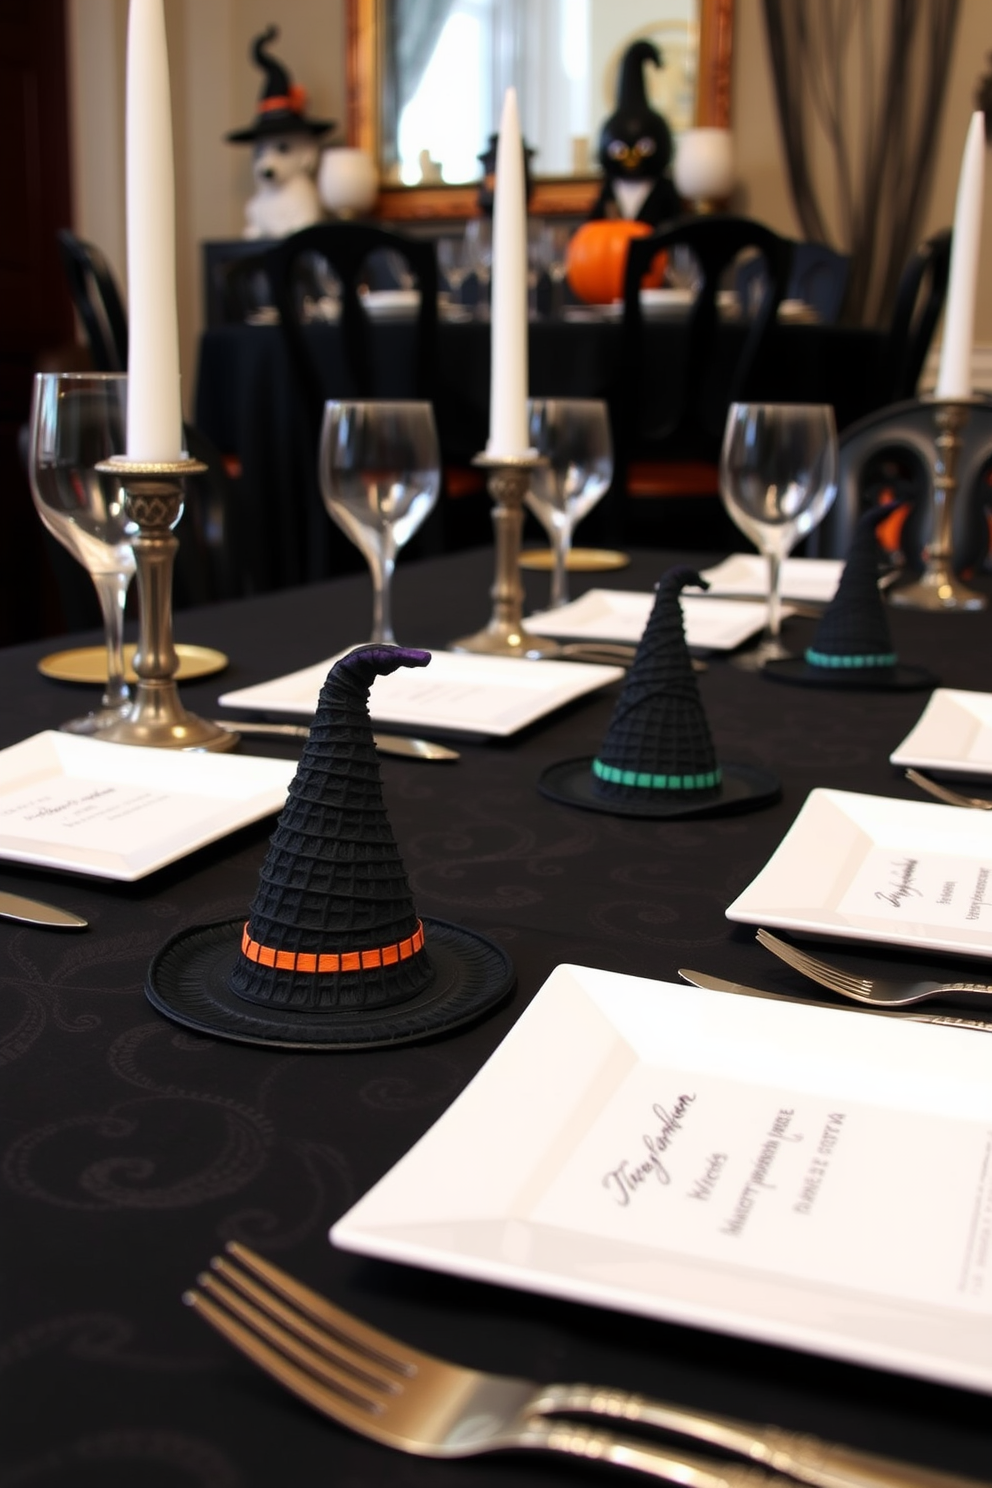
614 776
821 659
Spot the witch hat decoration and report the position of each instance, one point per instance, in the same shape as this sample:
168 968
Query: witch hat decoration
658 759
852 647
333 954
282 105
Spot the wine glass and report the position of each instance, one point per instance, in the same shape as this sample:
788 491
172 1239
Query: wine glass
453 262
380 473
778 480
78 419
479 250
573 434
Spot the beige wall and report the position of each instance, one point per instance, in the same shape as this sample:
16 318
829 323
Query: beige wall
215 88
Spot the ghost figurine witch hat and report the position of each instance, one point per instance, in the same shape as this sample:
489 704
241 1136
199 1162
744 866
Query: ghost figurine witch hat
332 954
852 647
657 759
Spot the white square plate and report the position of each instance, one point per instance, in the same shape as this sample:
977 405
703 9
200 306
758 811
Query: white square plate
121 812
456 692
905 873
812 579
620 615
774 1171
954 733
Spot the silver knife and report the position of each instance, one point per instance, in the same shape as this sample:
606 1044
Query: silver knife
718 984
385 743
34 912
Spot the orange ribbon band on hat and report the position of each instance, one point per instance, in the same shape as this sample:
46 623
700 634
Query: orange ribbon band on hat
400 950
295 101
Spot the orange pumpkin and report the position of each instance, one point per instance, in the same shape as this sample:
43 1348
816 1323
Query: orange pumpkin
597 259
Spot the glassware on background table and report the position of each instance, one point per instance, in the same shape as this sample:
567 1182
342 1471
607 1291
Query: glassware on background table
556 239
453 261
778 480
78 419
479 251
380 473
574 436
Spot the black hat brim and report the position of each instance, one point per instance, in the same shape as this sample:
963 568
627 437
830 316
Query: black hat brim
797 672
742 788
287 123
188 981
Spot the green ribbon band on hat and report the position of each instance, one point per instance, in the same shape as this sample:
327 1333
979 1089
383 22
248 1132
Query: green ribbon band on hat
821 659
614 776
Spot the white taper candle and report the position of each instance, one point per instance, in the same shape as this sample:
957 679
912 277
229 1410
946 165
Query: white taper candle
954 377
154 410
508 367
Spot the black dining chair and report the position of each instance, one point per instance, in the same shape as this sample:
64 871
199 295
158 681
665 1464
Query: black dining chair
887 458
210 564
668 418
818 278
919 302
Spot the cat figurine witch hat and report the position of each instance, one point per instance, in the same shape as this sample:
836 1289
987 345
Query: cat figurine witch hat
852 647
658 758
332 954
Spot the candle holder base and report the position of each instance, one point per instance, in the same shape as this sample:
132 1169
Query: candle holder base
506 634
156 718
939 588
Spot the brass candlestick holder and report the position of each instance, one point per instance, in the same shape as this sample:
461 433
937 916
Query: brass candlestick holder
153 498
506 634
939 588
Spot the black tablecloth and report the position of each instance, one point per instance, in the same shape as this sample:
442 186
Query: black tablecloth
246 404
131 1150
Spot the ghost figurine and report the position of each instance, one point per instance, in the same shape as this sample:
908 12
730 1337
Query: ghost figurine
635 149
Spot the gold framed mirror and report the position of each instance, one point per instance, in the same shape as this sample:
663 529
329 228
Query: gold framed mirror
552 195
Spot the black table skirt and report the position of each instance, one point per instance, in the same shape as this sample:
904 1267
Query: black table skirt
130 1151
247 406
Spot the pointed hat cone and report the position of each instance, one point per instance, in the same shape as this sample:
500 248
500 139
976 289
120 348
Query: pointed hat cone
854 631
632 98
658 738
332 891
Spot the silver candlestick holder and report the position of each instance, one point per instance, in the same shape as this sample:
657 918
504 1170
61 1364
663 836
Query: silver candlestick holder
153 498
506 635
938 587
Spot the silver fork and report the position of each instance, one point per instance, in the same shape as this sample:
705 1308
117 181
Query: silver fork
946 794
877 990
396 1395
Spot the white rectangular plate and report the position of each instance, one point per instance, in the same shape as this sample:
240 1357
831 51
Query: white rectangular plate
121 812
812 579
784 1173
954 733
619 615
906 873
456 692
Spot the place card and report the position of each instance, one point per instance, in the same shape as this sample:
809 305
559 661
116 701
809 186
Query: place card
812 579
621 615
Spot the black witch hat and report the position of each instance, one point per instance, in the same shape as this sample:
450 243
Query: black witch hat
852 646
333 953
635 143
657 758
282 105
487 186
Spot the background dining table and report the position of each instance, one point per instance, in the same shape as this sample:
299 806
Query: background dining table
248 406
131 1150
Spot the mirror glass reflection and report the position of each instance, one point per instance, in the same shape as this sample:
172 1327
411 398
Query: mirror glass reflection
447 64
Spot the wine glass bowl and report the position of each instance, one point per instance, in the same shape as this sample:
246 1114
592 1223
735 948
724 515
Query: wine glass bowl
778 480
380 473
573 436
77 420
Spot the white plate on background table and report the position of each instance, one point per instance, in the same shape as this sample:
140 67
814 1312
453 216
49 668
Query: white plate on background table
721 1162
666 304
121 812
904 873
391 304
621 615
457 692
812 579
954 733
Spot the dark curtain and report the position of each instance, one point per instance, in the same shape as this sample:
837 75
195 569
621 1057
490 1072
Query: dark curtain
413 29
871 83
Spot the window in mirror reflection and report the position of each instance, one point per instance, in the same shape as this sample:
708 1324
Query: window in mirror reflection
448 63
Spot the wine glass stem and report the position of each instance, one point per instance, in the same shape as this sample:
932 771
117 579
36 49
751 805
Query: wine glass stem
774 595
111 590
381 568
559 572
